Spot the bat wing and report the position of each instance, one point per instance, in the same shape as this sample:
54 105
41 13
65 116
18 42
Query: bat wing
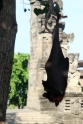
57 77
57 70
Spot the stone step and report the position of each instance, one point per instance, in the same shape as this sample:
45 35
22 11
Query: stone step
27 117
28 121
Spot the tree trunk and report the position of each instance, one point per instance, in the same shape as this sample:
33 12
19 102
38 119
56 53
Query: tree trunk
8 29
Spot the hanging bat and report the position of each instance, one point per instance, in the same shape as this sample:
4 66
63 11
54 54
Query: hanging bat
57 70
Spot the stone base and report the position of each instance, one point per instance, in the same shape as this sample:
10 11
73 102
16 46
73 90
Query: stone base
22 116
41 105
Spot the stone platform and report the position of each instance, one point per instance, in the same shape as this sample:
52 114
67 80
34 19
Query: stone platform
27 116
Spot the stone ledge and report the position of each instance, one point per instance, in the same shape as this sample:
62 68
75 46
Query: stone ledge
73 94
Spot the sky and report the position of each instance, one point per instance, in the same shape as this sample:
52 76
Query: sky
73 24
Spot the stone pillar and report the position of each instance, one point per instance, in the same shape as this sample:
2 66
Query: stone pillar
32 101
38 54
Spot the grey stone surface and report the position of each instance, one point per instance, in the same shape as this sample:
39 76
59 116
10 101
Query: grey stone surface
28 116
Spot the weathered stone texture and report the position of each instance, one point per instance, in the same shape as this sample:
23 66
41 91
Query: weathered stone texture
73 75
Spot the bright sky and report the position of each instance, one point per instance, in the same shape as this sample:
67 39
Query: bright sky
73 24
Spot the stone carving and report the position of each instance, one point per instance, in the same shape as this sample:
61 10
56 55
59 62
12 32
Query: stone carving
65 38
76 107
73 75
73 60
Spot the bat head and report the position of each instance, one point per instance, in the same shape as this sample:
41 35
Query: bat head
53 98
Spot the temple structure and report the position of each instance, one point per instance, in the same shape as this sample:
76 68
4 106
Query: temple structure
41 43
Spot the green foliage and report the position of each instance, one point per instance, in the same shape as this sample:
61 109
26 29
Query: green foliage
40 11
11 106
46 8
56 9
19 80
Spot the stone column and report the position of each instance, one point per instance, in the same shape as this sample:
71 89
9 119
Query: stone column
35 55
38 54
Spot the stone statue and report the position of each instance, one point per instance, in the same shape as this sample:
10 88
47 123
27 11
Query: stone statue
74 74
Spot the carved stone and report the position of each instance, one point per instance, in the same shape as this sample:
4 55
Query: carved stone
73 62
76 107
73 75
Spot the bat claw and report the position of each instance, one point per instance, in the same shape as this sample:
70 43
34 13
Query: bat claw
56 104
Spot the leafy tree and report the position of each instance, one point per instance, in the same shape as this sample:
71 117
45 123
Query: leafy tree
19 80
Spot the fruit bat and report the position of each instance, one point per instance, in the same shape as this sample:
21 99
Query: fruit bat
57 70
